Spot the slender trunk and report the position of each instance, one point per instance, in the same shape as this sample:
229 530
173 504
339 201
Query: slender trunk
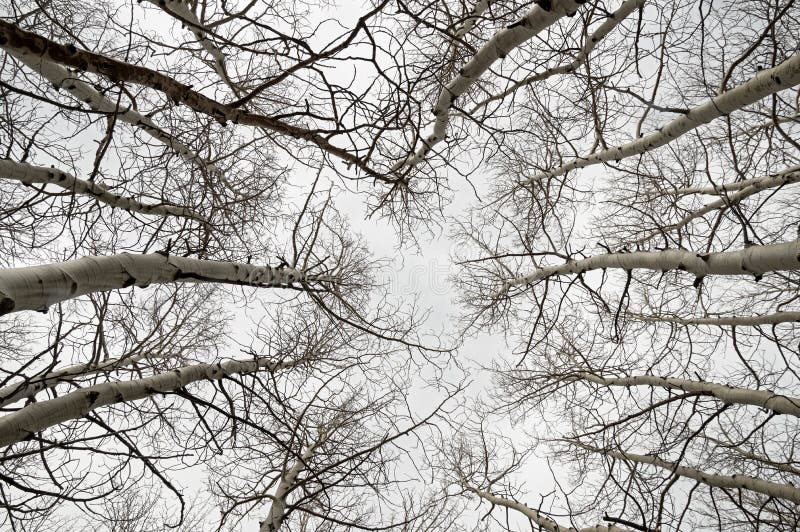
30 174
771 489
181 11
725 321
504 41
765 83
544 522
39 416
288 481
753 260
791 175
38 287
61 78
780 404
614 20
780 466
30 387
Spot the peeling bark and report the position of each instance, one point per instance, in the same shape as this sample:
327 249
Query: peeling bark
38 287
29 174
754 260
771 489
36 417
765 83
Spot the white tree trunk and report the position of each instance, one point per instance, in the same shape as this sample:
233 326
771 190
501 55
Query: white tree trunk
29 174
766 82
38 287
771 489
614 20
181 11
30 387
43 53
780 404
790 175
754 260
501 43
725 321
36 417
537 518
288 481
780 466
61 78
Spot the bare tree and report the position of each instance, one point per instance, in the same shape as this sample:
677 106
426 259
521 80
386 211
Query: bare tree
204 303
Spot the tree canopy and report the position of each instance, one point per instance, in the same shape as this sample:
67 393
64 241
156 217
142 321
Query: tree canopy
198 333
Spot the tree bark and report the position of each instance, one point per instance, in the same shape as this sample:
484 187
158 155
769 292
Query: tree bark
614 20
61 78
38 287
22 42
771 489
29 174
765 83
504 41
277 511
790 175
30 387
754 260
181 11
725 321
780 404
39 416
537 518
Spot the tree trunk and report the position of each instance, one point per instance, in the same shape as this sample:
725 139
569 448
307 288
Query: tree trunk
537 518
771 489
30 387
754 260
39 416
29 174
504 41
38 287
766 82
780 404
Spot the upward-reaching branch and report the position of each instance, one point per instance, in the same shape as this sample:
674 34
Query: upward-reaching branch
538 18
754 260
766 82
38 416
